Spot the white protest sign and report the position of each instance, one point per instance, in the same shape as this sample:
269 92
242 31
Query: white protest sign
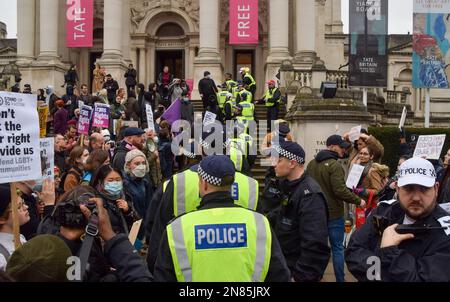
19 138
210 118
150 121
429 146
355 133
47 158
403 118
354 176
80 104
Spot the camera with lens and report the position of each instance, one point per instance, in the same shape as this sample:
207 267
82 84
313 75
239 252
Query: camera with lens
68 213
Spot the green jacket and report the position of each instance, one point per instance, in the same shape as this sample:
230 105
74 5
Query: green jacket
328 172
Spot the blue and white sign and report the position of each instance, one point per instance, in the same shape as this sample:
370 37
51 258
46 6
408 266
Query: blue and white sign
220 236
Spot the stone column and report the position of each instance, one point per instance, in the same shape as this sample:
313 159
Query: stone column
133 57
142 65
112 41
208 56
278 37
126 30
306 31
279 30
48 30
26 31
320 48
112 57
337 19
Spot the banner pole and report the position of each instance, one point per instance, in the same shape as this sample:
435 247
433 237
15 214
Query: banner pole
427 108
15 216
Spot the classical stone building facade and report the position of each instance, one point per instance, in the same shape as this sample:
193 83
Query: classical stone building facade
191 36
188 35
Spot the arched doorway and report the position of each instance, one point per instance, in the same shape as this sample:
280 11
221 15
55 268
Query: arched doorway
167 36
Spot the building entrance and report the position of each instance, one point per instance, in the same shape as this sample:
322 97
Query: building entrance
174 59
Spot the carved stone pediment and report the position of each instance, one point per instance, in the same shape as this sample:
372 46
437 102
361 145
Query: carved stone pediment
140 9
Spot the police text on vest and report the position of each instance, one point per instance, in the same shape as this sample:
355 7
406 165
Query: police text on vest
220 236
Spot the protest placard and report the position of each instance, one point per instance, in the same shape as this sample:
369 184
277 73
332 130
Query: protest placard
429 146
354 176
209 118
43 114
133 124
132 236
101 115
80 104
19 138
84 120
47 158
150 122
355 133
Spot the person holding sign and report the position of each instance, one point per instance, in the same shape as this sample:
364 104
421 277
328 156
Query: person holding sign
364 140
328 172
6 224
408 239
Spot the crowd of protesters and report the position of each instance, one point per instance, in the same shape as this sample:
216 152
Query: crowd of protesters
130 173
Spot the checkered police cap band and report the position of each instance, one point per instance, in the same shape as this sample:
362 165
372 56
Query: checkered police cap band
215 181
288 154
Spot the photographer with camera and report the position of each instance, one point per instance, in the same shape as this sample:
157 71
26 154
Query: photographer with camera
409 236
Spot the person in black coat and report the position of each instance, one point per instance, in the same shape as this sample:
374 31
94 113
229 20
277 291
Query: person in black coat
208 91
111 87
379 251
302 223
71 76
130 77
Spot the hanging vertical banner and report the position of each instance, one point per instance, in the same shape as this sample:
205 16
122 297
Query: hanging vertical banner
431 44
368 43
243 22
79 23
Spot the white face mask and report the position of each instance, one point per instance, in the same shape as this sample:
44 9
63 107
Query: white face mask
139 171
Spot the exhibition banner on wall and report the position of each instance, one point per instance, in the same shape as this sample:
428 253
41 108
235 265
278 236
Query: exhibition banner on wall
368 43
431 44
243 22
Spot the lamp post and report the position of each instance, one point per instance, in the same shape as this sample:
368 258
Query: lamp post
10 74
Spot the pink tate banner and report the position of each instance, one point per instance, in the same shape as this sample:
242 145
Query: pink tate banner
243 22
79 23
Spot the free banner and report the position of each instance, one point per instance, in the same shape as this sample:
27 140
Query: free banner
101 115
368 43
79 23
243 22
19 138
431 44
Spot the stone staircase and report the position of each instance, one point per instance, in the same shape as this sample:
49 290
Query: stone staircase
258 171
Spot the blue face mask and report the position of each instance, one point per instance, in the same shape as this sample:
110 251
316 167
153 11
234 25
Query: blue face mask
114 188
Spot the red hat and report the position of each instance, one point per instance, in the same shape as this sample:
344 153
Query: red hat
271 82
72 122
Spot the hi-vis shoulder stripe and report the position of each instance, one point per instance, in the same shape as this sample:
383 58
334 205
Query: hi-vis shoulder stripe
288 154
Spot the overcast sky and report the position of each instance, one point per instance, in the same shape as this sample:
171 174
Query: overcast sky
400 16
